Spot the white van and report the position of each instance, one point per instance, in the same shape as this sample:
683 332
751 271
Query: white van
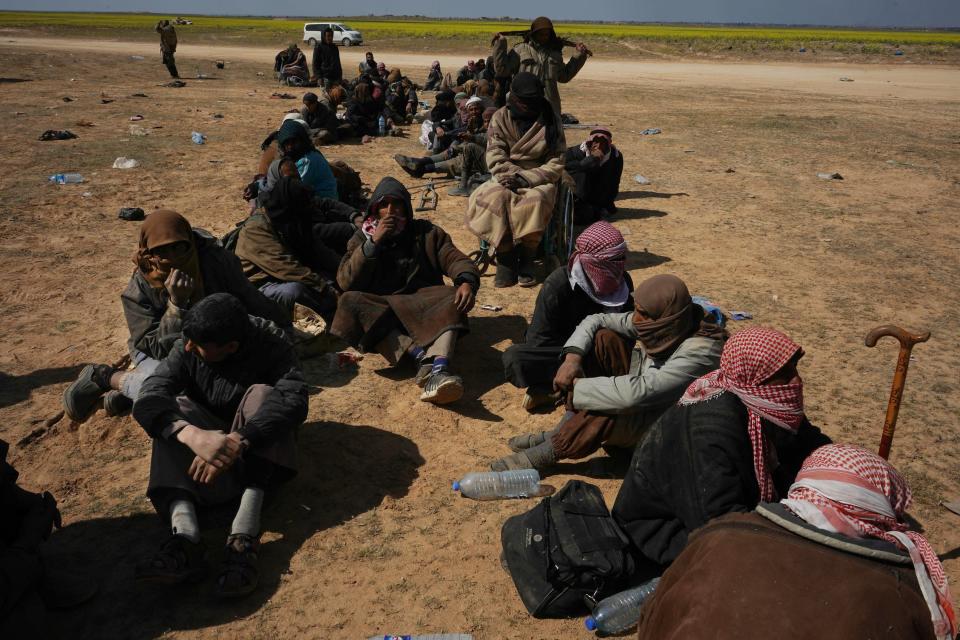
342 34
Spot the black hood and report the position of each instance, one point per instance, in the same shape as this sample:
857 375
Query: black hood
391 187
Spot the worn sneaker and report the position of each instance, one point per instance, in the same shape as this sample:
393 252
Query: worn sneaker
410 165
459 192
534 401
115 404
423 374
80 398
442 388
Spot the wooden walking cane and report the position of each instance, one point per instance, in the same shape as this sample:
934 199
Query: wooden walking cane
907 340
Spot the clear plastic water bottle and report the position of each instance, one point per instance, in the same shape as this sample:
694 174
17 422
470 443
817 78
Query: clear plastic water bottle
66 178
198 138
382 125
491 485
621 611
429 636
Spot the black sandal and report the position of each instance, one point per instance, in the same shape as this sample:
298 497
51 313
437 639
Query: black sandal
240 575
178 561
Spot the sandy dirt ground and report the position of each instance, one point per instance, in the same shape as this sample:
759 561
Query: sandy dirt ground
369 538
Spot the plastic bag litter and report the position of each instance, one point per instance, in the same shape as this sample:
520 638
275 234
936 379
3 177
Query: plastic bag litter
639 179
830 176
125 163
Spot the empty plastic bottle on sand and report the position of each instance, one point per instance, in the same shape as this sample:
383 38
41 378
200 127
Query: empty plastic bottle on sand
489 485
198 138
621 611
66 178
429 636
382 125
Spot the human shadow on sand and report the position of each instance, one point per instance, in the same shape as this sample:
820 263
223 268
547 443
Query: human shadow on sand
636 213
344 471
626 195
644 259
14 389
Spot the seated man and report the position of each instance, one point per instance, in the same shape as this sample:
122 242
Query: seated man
466 72
176 267
737 436
363 111
293 141
835 560
286 254
222 409
596 167
395 301
525 148
291 67
434 77
594 281
401 99
614 392
321 119
368 66
30 584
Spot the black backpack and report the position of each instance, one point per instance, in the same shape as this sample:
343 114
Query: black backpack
566 553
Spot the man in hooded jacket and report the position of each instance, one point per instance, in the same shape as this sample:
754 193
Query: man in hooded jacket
395 301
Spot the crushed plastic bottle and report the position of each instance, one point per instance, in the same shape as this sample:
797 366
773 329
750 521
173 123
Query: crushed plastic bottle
621 611
493 485
66 178
198 138
429 636
125 163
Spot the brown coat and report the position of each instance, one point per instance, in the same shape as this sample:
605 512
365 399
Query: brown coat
495 213
743 577
401 281
265 258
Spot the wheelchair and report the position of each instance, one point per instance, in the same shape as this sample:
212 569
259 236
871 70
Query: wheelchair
557 242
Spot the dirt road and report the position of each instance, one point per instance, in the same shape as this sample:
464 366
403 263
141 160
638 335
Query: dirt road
869 81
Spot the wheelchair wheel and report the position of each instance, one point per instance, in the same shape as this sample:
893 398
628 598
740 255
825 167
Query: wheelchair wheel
481 258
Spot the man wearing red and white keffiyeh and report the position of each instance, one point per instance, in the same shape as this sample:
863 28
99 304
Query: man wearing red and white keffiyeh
858 494
598 263
752 367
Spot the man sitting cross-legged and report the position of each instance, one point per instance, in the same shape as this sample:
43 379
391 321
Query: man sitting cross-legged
395 301
222 409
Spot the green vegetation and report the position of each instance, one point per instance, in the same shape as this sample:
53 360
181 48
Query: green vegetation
474 32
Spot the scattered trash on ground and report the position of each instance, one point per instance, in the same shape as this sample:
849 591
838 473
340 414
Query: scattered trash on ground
491 307
198 138
174 84
283 96
133 214
220 64
845 79
741 315
86 194
54 134
137 130
136 57
66 178
218 116
67 99
84 123
898 52
139 95
650 132
106 100
639 179
125 163
830 176
136 118
730 170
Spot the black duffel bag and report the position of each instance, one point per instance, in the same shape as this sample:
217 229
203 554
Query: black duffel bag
566 553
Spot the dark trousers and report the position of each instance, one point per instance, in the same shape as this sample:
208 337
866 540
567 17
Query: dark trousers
585 431
330 243
170 63
260 465
530 367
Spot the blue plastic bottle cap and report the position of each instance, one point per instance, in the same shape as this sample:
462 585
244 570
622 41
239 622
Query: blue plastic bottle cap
590 623
456 485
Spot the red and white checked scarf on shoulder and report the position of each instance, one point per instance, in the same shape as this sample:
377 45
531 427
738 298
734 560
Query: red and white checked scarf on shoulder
601 252
749 358
853 492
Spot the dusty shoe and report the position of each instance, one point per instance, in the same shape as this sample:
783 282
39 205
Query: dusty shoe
423 374
80 398
442 388
240 575
526 441
178 561
115 404
410 165
526 268
459 192
534 401
539 457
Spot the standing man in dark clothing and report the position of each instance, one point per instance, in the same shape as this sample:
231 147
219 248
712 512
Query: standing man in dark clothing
222 409
326 62
596 167
168 46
